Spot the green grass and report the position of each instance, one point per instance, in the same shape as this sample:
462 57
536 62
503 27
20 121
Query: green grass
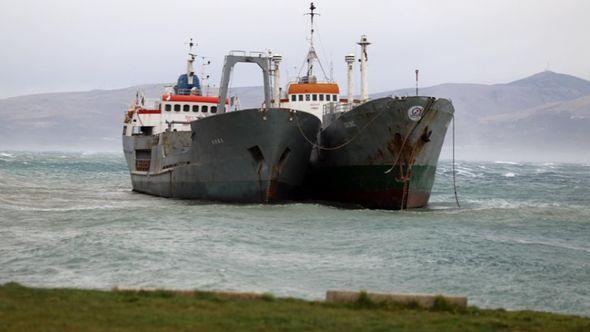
32 309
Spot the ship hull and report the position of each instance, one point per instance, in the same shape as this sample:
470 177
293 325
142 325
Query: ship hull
248 156
379 156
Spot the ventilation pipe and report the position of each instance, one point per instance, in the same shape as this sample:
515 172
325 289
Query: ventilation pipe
276 59
349 62
364 59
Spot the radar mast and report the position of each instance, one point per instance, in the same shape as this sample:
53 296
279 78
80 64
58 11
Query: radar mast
312 56
190 71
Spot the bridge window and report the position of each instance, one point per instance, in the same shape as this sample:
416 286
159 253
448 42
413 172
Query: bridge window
314 97
186 108
195 108
213 109
176 108
300 97
168 107
321 97
307 97
293 97
204 108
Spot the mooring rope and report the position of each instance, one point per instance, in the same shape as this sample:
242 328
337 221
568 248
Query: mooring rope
454 177
338 146
426 110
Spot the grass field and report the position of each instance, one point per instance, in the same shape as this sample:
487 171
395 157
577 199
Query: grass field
33 309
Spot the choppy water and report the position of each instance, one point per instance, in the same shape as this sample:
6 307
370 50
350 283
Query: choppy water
520 241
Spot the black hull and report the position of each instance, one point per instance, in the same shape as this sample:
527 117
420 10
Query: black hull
249 156
377 156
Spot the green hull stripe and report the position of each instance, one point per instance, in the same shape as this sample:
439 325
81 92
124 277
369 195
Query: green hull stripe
371 178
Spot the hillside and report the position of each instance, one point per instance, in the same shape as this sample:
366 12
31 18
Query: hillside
72 121
558 126
542 117
527 115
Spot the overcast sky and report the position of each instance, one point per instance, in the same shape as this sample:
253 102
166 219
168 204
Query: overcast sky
61 45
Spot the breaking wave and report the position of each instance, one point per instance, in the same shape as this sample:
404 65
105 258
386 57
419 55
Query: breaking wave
72 220
506 162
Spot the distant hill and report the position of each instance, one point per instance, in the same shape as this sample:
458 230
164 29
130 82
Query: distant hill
557 128
541 117
544 115
482 100
73 121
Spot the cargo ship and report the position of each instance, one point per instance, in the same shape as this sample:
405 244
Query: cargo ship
379 153
193 146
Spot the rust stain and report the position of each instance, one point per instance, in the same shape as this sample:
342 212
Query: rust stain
166 143
271 192
406 153
258 171
377 158
426 135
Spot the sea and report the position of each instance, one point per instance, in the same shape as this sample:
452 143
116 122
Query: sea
519 240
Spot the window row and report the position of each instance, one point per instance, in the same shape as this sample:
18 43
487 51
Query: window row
314 97
195 108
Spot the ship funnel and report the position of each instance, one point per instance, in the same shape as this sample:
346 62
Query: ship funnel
349 63
364 59
276 59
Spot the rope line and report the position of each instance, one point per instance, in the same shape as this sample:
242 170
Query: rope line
454 179
338 146
426 110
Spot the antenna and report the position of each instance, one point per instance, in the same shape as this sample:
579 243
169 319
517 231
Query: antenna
204 76
190 72
311 54
331 71
417 72
311 14
191 44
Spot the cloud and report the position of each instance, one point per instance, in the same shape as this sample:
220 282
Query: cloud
80 45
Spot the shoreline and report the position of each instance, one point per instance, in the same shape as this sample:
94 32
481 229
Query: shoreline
62 309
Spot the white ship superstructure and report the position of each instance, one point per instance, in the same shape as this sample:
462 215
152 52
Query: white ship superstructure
321 98
177 107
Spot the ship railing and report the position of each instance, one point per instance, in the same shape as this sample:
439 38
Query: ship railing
247 53
151 103
332 111
171 124
189 92
331 108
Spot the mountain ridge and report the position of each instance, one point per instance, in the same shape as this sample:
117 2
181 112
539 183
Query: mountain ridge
488 115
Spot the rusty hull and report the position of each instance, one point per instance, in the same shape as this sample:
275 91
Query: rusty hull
248 156
390 162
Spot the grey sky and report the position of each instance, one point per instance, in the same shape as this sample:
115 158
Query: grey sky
78 45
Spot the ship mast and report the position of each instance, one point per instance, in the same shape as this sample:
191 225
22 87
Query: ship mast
311 54
190 71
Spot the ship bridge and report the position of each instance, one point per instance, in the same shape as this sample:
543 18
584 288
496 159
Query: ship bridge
311 97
